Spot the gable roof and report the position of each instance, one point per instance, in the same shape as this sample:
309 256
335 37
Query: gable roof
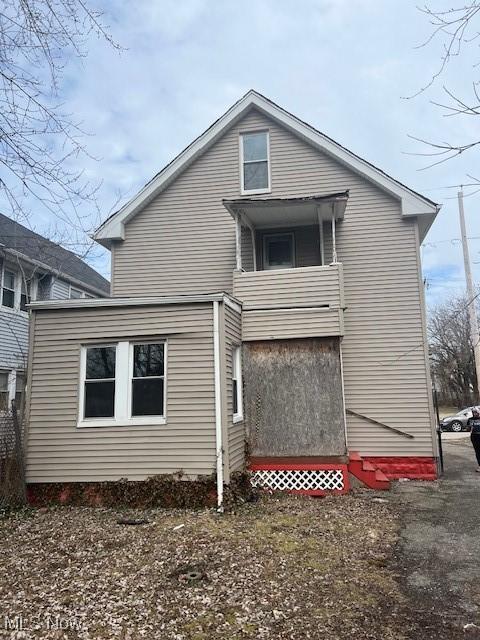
21 241
413 203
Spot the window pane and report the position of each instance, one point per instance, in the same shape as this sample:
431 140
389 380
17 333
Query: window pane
4 404
20 383
8 298
279 251
4 381
147 360
9 280
235 396
255 147
23 302
147 397
99 399
75 293
255 176
100 362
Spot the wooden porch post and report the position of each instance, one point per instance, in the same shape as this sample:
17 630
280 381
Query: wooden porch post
334 239
238 242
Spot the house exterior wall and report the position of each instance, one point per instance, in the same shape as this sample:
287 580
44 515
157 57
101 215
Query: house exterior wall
13 339
59 451
235 431
184 242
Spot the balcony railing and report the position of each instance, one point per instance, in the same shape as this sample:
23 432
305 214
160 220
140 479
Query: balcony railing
291 303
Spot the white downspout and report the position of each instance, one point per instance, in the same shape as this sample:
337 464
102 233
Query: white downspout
218 405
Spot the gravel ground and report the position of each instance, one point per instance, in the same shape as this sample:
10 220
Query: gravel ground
284 567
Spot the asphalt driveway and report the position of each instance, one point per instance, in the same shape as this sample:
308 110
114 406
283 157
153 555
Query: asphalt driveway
438 554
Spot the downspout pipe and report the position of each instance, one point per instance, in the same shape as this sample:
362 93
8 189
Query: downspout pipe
218 405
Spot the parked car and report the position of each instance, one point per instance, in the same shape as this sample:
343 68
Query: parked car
457 422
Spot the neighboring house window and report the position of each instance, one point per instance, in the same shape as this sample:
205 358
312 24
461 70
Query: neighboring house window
8 289
4 391
76 293
24 297
255 169
278 251
19 391
122 383
148 372
237 392
99 390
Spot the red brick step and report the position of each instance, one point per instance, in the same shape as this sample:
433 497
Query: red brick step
367 472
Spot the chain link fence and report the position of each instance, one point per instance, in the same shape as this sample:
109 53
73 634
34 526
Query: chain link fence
12 460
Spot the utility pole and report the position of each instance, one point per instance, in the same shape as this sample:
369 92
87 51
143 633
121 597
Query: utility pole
472 313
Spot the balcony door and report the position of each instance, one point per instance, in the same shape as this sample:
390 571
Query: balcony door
278 251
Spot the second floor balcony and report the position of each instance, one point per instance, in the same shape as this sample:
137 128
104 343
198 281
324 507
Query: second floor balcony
288 276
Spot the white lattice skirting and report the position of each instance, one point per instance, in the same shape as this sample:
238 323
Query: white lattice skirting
308 480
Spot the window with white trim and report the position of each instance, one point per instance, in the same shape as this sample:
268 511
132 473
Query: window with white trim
4 391
99 383
122 383
237 391
148 376
8 288
76 293
255 161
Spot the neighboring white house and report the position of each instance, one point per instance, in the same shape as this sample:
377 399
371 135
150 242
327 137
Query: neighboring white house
33 268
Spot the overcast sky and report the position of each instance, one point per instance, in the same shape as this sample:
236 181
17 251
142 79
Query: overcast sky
341 65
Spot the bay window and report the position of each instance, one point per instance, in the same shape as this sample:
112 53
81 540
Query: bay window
122 384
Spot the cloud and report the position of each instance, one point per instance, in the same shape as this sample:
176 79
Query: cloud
341 65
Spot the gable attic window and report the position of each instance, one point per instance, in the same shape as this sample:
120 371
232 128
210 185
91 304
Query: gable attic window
255 162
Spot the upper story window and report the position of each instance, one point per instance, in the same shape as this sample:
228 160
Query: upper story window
255 162
8 288
16 292
76 293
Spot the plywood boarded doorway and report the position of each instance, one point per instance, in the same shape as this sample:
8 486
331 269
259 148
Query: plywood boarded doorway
293 398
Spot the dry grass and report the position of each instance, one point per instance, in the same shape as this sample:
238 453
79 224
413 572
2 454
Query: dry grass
281 568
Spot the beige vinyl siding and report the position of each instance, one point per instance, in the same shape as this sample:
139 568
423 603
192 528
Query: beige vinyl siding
235 431
282 324
279 288
184 241
59 451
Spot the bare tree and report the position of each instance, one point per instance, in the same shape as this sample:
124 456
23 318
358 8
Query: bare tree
458 28
41 144
451 352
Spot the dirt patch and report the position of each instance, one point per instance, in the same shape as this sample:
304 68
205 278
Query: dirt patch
284 567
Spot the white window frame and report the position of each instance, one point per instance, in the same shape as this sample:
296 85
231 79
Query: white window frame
147 419
265 240
123 376
267 189
237 375
31 288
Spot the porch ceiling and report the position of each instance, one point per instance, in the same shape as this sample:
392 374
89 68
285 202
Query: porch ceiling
301 210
